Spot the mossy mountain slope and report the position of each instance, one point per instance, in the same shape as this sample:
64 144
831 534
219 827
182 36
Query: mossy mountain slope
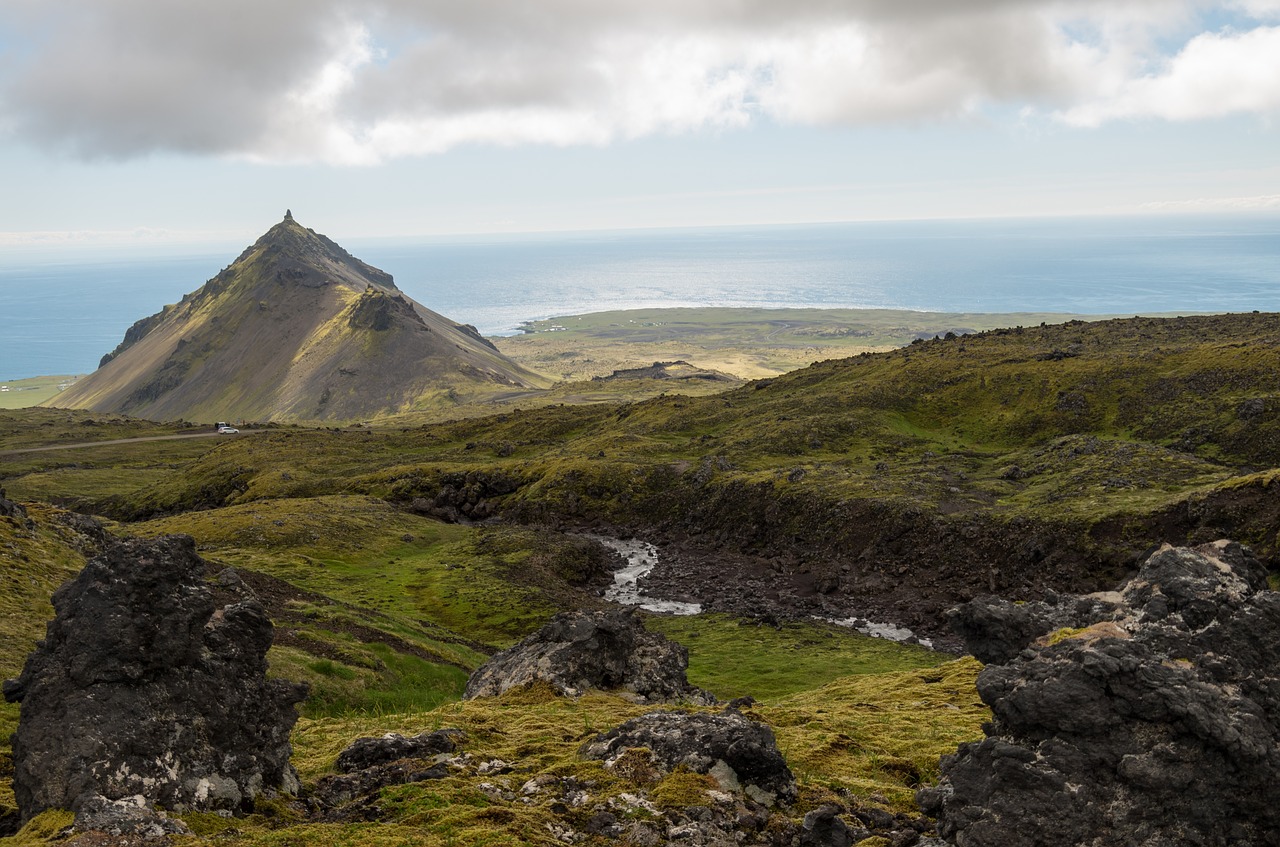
1007 462
295 329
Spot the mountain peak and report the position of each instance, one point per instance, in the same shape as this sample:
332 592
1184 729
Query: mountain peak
295 329
291 252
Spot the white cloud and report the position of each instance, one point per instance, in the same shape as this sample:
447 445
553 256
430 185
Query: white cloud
1259 9
903 71
359 83
1215 75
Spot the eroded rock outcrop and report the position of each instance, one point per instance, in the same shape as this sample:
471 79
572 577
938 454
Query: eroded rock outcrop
367 752
578 651
14 511
741 754
996 630
368 765
1157 724
128 816
143 686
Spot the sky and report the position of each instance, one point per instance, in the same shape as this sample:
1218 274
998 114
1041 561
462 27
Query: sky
185 121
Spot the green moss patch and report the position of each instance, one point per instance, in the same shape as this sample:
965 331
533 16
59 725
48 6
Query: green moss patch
879 733
734 658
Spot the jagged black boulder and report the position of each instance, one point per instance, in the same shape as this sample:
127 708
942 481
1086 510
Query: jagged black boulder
738 752
143 686
1158 725
577 651
354 796
823 827
995 630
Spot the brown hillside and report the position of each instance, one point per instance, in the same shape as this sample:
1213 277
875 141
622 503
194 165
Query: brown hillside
295 329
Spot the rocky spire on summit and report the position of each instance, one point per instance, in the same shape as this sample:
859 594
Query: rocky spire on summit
288 214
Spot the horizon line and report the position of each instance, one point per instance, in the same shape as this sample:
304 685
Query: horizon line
143 236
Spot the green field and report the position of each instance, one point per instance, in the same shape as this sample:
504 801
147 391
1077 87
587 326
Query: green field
22 393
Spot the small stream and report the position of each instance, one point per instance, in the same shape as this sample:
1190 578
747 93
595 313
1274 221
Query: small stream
641 558
878 630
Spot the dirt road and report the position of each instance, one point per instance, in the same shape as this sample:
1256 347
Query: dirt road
82 444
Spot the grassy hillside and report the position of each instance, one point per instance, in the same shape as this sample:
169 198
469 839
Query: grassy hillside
1011 461
385 613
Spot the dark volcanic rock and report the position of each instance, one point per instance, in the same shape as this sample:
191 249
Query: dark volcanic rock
379 311
367 752
823 827
90 536
124 817
733 749
143 687
996 630
1157 725
370 764
354 796
15 511
577 651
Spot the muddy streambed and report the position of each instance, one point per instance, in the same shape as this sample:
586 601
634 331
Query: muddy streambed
635 582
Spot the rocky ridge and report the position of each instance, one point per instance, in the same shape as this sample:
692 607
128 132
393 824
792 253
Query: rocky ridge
695 779
368 765
678 371
740 754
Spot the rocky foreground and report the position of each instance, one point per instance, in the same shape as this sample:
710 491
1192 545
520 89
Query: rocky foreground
1145 718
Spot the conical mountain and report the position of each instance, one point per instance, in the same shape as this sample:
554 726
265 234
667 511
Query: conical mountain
295 329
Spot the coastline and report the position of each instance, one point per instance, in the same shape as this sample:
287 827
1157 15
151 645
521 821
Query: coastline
746 342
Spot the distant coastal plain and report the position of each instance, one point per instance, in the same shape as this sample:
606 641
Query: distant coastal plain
748 343
24 393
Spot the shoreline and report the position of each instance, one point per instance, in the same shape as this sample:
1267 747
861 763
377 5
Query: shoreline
746 341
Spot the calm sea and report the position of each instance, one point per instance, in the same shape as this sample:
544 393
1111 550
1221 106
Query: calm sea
60 312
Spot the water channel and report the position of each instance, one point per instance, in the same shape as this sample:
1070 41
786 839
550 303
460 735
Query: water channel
642 557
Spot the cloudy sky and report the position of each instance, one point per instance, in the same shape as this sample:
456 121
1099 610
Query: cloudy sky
146 120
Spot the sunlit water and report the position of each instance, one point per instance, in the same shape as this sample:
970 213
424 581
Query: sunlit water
60 312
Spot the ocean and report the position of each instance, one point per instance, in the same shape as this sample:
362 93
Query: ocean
60 312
